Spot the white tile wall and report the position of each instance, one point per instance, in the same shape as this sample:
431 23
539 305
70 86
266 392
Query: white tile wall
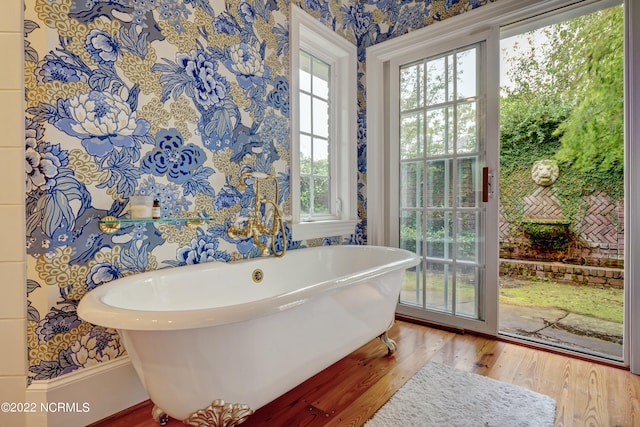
13 304
10 16
13 357
12 390
12 231
12 119
12 181
14 362
11 47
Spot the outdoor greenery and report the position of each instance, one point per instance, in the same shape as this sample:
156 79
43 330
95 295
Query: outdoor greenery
565 102
551 234
314 174
576 78
600 302
438 241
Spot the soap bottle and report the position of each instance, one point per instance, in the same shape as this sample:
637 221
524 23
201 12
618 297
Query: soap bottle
155 210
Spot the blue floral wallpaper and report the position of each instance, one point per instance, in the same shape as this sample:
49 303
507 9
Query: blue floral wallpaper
173 99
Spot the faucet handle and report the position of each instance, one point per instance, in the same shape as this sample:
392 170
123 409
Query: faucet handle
239 219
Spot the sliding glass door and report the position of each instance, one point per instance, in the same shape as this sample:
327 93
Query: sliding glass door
446 204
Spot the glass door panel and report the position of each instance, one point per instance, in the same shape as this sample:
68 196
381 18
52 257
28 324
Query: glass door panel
442 151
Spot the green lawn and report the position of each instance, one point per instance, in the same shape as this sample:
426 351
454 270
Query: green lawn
599 302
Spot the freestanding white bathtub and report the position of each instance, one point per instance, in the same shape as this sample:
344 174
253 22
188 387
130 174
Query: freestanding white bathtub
213 342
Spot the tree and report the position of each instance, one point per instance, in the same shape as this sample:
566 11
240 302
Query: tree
527 131
579 67
592 138
314 174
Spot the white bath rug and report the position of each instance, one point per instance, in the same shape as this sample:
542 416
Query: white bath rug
439 395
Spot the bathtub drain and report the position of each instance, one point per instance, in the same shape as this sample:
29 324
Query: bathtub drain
257 275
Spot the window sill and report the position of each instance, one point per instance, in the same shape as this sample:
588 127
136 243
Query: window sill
318 229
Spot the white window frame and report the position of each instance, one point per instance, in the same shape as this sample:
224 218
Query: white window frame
308 34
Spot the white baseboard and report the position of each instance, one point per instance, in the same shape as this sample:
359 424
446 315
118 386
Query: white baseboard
83 397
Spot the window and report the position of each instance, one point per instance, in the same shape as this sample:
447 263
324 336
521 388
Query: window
323 130
316 197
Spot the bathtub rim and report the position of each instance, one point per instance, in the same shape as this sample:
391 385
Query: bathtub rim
94 310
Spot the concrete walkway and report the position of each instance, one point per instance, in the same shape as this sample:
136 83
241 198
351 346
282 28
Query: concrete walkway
553 325
563 328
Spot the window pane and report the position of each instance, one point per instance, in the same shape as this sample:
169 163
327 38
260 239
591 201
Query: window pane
305 81
411 239
467 284
467 236
449 77
411 190
439 287
467 141
320 117
439 235
411 136
305 72
321 195
411 87
411 231
468 187
320 155
437 184
321 78
305 154
439 131
436 81
466 67
412 285
305 195
305 113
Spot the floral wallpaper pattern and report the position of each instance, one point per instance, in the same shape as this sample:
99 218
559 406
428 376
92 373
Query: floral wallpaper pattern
168 98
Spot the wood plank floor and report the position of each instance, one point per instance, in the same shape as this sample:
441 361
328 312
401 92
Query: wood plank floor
349 392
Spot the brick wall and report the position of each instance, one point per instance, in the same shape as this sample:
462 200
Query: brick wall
565 273
598 238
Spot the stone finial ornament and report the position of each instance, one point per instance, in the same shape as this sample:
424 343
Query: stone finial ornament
545 172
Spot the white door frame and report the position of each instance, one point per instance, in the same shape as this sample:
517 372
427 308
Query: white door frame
632 174
488 139
504 14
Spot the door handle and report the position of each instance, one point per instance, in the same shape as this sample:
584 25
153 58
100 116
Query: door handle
487 179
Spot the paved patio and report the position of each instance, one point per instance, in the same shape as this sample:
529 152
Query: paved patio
555 326
584 333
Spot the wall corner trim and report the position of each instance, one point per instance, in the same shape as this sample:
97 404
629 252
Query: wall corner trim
84 396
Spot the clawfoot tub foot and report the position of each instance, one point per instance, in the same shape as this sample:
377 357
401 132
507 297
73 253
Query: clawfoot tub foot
220 414
159 416
392 346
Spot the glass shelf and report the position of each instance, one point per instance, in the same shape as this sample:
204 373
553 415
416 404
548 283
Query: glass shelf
111 224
